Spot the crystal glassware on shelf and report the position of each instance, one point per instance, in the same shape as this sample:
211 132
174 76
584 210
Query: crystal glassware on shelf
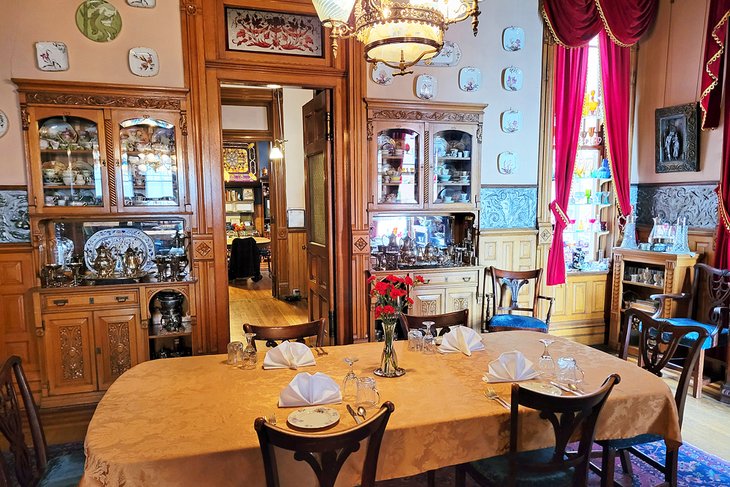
546 364
248 360
349 384
429 341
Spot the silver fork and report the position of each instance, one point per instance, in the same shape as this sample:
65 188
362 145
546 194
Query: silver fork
492 394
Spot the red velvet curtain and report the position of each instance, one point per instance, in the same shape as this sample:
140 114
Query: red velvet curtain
573 23
722 254
571 67
616 75
713 61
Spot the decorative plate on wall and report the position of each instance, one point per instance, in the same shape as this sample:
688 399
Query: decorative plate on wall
143 61
449 55
142 3
512 79
98 20
51 56
4 123
470 79
513 39
506 162
511 121
382 74
426 87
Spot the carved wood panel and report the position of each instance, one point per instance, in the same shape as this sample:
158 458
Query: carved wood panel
116 343
428 302
69 357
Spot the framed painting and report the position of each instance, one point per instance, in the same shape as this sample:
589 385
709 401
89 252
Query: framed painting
263 31
677 138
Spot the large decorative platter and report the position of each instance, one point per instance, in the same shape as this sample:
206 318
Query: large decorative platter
118 240
98 20
449 55
57 129
313 418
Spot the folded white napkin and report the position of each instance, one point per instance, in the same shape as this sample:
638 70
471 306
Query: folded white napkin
510 367
308 390
289 355
461 339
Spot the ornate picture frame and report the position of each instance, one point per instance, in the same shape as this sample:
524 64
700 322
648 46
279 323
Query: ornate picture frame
263 31
677 138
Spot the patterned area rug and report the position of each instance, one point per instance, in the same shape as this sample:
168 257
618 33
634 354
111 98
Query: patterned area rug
696 468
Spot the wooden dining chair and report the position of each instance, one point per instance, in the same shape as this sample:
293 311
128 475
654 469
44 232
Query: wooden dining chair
554 466
32 468
708 306
288 332
443 321
658 343
501 310
325 453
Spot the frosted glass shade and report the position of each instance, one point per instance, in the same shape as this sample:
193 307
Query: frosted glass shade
333 10
452 10
275 153
394 41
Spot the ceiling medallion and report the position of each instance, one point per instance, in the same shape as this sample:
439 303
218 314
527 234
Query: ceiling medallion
397 33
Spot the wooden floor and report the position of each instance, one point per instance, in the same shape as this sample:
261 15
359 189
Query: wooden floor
251 302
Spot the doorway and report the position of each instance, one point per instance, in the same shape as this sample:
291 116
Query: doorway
272 203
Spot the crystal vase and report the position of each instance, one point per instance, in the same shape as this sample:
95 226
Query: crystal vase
681 238
389 359
629 240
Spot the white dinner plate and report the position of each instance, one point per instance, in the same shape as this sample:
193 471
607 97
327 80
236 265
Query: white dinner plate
542 388
313 418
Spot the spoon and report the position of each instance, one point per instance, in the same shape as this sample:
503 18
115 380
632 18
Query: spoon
361 412
575 388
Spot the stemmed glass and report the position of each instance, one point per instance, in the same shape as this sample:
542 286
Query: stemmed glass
349 384
546 364
429 341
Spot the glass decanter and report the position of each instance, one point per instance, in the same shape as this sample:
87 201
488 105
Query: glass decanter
248 360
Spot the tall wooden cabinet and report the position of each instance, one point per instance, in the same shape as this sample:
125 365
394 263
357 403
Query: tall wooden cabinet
424 181
105 163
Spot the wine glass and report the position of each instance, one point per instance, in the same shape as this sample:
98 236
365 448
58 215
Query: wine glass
349 384
429 341
546 364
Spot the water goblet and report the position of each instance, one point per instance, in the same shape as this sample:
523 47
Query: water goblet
546 364
349 384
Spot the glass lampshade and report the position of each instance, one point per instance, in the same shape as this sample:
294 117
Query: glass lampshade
275 153
452 10
332 11
398 40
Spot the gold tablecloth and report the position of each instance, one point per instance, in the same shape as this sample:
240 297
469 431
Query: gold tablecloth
189 421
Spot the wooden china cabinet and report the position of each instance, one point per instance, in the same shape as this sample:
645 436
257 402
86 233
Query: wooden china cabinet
424 180
105 164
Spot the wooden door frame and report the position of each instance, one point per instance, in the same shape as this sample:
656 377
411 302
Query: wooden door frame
205 67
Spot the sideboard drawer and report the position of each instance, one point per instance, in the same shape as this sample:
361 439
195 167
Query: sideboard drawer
63 301
452 277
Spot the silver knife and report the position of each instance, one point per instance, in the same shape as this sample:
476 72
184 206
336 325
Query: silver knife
354 414
563 388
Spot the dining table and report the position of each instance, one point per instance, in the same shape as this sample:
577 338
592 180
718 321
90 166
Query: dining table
189 421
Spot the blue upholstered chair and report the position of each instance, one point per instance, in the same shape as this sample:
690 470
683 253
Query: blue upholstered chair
32 468
501 310
658 343
571 417
708 307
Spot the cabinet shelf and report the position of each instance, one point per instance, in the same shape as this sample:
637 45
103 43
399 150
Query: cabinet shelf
63 186
641 284
66 151
171 335
468 183
447 158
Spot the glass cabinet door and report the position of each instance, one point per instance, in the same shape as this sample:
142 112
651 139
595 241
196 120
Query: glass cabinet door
149 168
452 168
70 161
398 167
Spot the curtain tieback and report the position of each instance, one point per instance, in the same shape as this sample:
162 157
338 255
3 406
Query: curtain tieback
722 209
559 212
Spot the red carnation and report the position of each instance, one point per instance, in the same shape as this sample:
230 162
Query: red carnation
408 281
388 309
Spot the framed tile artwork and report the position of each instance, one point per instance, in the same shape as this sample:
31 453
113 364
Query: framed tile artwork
273 32
677 138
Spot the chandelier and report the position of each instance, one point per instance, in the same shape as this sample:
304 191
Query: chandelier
397 33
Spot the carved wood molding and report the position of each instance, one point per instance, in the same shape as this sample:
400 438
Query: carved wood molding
360 242
428 115
24 116
182 289
120 101
203 248
120 357
190 7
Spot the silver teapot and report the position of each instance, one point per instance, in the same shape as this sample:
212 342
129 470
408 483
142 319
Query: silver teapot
105 262
131 262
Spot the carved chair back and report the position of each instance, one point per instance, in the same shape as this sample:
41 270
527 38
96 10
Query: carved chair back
326 454
710 298
506 286
566 414
443 321
289 332
658 342
27 470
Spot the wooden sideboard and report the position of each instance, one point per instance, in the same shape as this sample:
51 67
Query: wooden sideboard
673 272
